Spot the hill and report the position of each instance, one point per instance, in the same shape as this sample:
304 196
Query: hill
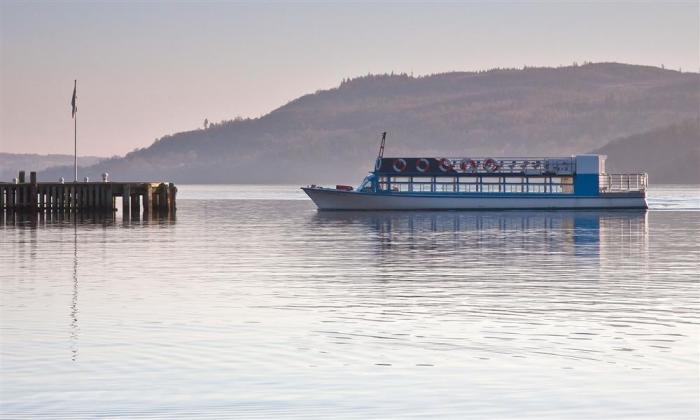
12 163
671 155
332 135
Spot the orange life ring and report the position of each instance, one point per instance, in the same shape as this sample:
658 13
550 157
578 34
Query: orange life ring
422 165
399 165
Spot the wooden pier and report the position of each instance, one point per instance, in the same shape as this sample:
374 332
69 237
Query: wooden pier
36 196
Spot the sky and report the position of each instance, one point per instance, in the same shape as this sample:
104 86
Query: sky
148 69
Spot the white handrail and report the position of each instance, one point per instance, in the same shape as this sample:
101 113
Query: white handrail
623 182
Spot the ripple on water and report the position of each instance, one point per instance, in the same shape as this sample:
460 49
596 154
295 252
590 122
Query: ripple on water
252 304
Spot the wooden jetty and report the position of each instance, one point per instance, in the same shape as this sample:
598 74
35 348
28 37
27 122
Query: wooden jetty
36 196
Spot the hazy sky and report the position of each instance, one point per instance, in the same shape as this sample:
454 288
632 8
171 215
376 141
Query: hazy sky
146 69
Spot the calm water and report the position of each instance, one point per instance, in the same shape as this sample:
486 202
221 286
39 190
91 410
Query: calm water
252 304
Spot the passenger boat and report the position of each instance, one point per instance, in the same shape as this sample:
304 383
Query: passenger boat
474 183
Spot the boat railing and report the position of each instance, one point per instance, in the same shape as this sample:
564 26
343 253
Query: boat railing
536 166
610 183
514 165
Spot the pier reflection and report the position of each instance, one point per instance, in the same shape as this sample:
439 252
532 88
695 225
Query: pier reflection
578 233
35 229
68 218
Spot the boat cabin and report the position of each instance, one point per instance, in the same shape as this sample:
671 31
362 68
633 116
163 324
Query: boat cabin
580 175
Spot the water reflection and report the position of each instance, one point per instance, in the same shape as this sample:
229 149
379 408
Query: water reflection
263 298
579 233
74 300
85 217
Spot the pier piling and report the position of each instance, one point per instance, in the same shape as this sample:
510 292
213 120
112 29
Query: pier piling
34 196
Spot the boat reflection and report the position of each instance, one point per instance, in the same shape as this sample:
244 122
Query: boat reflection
579 233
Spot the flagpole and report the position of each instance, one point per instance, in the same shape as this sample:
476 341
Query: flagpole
75 146
75 138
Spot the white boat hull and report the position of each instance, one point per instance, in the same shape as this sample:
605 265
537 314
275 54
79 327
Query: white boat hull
331 199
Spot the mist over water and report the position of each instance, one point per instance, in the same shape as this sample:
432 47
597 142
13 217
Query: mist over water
251 303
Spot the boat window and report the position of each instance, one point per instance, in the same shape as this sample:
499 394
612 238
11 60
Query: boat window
423 186
468 187
445 186
562 180
472 184
400 183
491 188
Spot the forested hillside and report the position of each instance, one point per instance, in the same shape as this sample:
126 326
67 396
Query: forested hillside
671 155
332 135
12 163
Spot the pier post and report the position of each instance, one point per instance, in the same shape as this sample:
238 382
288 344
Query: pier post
99 203
147 199
13 195
33 191
162 197
111 198
96 196
103 198
71 197
126 197
79 197
18 194
41 191
135 204
22 195
171 197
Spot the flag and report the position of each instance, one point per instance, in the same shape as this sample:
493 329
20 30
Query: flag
74 100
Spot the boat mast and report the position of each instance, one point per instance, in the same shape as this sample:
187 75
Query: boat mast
381 147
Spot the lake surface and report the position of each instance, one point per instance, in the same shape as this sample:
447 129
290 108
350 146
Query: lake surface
252 304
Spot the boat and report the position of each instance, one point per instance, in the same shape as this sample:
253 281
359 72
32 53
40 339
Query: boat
481 183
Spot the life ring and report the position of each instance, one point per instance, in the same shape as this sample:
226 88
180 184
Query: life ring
445 165
468 165
490 165
422 165
399 165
